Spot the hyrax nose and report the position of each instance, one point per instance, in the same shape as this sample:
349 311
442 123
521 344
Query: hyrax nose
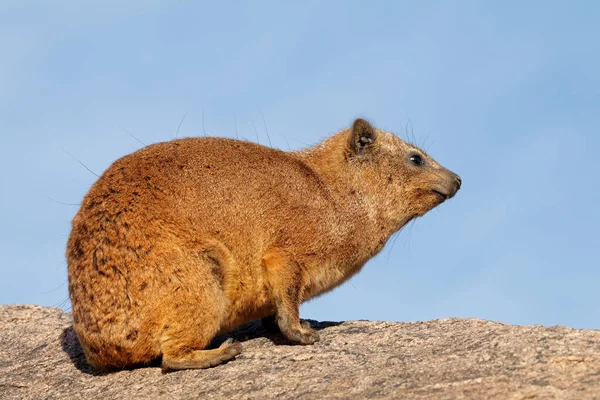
457 180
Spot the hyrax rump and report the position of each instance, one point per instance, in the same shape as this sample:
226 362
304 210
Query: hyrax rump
186 239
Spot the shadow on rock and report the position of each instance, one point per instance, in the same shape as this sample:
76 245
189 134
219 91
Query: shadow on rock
255 330
70 345
252 330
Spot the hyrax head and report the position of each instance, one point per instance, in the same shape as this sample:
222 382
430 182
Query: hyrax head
402 180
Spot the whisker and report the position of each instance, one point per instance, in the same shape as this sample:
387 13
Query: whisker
266 130
62 303
181 122
394 239
255 130
55 289
64 204
235 127
84 166
132 135
409 238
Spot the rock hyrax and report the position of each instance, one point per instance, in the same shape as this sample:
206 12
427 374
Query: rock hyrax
184 240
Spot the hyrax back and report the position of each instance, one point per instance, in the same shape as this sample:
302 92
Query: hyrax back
183 240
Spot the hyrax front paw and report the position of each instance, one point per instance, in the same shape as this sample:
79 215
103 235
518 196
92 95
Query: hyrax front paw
302 336
269 323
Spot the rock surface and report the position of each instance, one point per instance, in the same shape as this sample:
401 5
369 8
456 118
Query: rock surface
40 358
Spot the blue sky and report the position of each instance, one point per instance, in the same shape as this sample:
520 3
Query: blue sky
505 94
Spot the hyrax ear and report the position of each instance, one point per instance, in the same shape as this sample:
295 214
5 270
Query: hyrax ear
362 137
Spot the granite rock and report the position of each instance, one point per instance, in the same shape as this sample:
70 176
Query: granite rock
40 358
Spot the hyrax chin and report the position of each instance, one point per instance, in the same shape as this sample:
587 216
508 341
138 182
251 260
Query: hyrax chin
186 239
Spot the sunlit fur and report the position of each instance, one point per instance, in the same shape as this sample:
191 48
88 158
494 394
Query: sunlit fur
186 239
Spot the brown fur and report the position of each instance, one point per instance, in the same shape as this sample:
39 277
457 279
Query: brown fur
186 239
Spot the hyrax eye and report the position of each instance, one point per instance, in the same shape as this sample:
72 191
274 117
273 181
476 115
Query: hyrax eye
416 159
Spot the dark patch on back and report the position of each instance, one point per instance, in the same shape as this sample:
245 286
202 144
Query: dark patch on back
91 204
98 263
125 175
76 249
216 268
143 286
314 177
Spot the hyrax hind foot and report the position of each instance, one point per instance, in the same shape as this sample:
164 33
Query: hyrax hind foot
199 359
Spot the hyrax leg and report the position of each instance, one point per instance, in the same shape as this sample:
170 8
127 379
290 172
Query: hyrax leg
190 359
286 285
288 320
193 320
193 315
270 323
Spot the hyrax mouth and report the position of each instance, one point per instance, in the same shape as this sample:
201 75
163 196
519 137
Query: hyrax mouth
442 196
448 188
